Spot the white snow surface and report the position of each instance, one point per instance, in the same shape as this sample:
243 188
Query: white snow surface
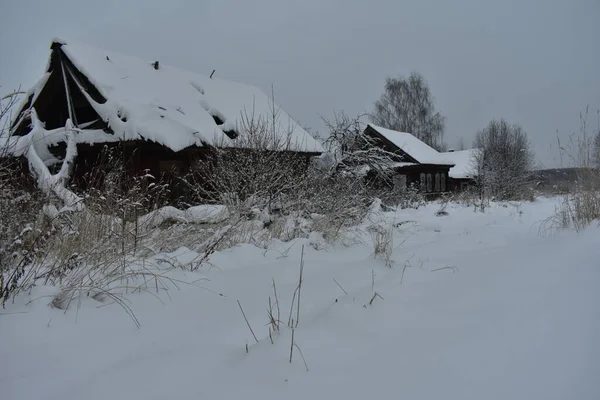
172 106
414 147
463 163
477 306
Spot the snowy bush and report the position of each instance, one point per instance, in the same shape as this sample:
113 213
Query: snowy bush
504 165
283 189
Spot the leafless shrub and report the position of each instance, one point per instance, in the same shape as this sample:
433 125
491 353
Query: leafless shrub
256 171
504 165
274 191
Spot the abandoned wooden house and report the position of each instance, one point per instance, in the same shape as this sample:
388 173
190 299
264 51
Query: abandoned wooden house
420 166
162 118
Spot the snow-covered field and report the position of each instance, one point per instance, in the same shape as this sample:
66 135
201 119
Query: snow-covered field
476 306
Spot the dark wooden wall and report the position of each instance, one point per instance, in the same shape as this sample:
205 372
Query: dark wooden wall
416 173
138 158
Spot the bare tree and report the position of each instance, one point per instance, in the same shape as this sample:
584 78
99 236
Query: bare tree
407 105
460 145
503 166
354 152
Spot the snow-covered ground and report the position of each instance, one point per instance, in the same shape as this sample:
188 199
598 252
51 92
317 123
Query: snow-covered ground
477 306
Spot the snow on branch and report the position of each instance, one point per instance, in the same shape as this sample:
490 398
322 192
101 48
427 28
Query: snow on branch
46 181
352 149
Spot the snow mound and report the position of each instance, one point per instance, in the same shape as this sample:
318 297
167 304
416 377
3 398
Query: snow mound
206 214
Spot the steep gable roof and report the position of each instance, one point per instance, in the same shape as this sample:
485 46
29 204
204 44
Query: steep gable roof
415 148
171 106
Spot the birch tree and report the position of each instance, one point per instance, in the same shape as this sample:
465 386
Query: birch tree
407 105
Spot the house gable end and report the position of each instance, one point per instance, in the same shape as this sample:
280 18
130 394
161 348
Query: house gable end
387 145
50 100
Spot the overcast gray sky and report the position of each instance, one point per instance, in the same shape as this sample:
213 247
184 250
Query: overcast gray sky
536 63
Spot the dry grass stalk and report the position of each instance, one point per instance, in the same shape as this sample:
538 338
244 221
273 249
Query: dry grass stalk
247 322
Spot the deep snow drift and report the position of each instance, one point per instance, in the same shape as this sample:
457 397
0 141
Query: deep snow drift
477 306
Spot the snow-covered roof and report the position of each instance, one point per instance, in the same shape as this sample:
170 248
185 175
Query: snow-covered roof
175 107
463 163
401 164
412 146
